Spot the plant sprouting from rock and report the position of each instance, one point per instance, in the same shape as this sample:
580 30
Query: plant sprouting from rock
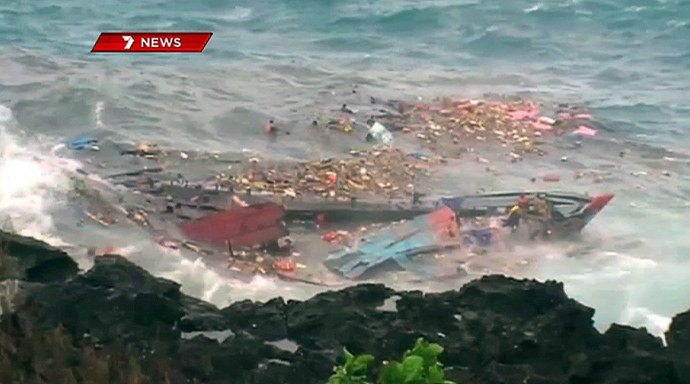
354 371
419 365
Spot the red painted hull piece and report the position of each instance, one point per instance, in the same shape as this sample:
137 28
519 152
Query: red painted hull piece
599 202
443 223
242 227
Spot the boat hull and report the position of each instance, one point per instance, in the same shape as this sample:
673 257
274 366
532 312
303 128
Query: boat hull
249 226
407 245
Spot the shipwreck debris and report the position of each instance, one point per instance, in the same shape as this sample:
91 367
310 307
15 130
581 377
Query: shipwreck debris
384 171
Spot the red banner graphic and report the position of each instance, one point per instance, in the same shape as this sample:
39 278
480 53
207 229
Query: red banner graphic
153 42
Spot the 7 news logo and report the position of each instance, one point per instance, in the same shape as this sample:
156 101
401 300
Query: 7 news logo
129 40
152 42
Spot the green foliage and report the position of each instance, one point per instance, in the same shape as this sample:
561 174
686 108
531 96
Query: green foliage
420 365
354 371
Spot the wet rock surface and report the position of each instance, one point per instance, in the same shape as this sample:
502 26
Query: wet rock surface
678 340
117 300
494 330
32 260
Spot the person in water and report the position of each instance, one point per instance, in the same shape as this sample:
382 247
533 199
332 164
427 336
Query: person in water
543 208
515 213
540 205
270 128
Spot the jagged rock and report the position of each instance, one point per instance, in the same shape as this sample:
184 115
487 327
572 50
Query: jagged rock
116 272
200 316
121 275
34 261
13 293
630 356
348 318
678 340
267 321
494 330
117 300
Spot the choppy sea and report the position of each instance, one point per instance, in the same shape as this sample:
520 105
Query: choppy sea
627 61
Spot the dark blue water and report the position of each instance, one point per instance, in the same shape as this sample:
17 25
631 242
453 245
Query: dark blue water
628 61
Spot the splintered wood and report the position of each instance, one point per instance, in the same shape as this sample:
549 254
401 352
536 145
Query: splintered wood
515 123
386 172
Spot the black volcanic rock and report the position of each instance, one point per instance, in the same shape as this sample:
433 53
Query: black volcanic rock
494 330
267 321
34 261
117 300
120 275
630 355
678 340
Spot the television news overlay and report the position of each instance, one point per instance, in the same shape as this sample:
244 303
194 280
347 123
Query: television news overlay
151 42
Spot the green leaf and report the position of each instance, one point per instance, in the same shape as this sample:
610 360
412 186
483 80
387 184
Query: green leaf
419 345
429 352
337 378
391 373
434 349
348 355
412 352
412 368
361 363
436 374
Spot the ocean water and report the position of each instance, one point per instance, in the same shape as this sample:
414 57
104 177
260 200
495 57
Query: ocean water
628 61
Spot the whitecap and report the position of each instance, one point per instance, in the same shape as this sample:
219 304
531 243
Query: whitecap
30 183
99 114
534 8
237 14
5 114
640 316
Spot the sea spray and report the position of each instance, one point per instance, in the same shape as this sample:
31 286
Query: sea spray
29 185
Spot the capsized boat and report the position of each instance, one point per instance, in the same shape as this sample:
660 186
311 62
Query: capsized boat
461 222
204 215
570 212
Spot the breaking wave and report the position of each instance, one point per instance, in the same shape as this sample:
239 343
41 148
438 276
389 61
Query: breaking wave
30 185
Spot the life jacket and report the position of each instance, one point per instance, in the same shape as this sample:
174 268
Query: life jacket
515 210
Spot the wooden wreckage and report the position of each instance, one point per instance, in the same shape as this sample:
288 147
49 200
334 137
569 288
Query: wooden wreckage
251 232
224 226
470 221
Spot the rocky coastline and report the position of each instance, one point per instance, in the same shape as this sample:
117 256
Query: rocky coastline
117 323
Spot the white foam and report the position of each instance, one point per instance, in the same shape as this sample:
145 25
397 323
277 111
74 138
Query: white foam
623 287
5 114
628 262
237 14
534 8
198 280
99 113
644 317
29 181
